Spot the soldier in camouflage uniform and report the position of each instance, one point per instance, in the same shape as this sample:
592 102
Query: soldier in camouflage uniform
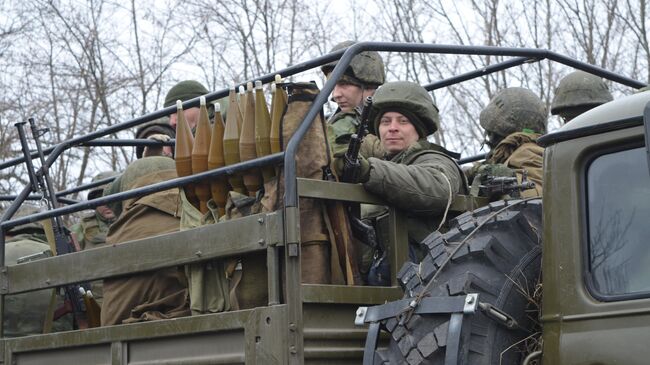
577 93
91 231
414 174
513 121
361 79
159 130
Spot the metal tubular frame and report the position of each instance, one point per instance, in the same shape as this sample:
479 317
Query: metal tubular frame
291 212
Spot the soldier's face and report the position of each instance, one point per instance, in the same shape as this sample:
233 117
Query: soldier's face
396 132
347 96
191 116
105 212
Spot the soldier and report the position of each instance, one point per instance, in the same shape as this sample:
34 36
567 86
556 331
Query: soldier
513 120
26 313
155 294
578 92
361 79
159 130
91 231
186 90
414 175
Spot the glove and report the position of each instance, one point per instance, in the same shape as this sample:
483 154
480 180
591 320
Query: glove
158 150
364 168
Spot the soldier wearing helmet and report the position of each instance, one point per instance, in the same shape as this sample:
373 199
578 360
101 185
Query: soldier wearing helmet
159 130
414 174
25 313
513 120
91 231
577 93
363 76
187 90
150 295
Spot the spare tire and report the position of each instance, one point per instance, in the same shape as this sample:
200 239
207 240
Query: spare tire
501 262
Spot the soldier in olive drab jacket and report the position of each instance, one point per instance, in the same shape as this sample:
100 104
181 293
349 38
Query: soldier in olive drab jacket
150 295
414 174
91 230
513 120
361 79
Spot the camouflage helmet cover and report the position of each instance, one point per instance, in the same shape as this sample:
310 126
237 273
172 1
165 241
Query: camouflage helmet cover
99 190
579 90
411 100
366 68
512 110
24 210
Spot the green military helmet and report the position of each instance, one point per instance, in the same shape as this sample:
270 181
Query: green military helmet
578 92
514 109
366 68
158 126
183 91
98 191
27 228
409 99
142 167
25 313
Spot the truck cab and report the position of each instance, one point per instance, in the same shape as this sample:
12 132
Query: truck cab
596 302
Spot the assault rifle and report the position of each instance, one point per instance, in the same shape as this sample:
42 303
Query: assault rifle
78 300
351 159
504 185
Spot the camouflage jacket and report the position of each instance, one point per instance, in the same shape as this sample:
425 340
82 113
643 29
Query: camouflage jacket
91 231
520 151
341 126
415 181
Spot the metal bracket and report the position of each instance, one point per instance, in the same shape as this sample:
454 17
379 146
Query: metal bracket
471 304
360 319
457 307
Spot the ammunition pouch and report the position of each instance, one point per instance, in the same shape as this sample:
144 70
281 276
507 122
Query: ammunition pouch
208 286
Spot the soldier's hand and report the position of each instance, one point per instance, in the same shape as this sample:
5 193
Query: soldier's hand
338 165
158 151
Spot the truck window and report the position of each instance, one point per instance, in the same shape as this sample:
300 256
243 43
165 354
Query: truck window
618 207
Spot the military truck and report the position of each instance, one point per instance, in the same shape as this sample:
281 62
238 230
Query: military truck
593 308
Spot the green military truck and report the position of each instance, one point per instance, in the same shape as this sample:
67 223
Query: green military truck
473 300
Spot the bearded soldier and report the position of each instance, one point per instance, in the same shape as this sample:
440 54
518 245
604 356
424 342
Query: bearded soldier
414 174
513 121
364 75
91 231
155 294
577 93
